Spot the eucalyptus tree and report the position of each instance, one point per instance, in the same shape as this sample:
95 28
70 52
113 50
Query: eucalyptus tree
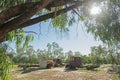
17 14
54 50
86 59
43 55
68 55
98 54
30 53
77 54
113 56
49 50
104 26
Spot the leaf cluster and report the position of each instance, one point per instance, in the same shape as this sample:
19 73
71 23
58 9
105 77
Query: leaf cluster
5 62
105 26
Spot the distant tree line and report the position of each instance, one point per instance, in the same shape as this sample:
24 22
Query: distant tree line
98 55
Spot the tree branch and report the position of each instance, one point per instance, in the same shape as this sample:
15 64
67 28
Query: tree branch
2 39
31 32
14 11
24 20
36 20
19 9
56 3
47 16
24 17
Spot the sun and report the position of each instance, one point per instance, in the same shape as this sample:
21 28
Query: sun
95 10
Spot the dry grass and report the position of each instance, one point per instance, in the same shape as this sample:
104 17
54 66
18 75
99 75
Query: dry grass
61 74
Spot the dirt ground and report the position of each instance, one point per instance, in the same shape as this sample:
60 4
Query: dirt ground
62 74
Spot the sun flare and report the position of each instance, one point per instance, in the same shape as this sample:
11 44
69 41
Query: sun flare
95 10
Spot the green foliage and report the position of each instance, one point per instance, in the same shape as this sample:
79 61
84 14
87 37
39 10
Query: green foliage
54 51
17 36
8 3
68 55
20 38
5 62
105 26
85 59
35 0
28 39
29 55
60 22
103 55
71 20
26 56
98 54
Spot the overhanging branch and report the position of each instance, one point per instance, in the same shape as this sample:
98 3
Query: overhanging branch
24 20
14 11
39 19
47 16
19 9
29 32
24 17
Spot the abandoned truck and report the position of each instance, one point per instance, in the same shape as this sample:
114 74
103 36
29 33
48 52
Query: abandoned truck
75 62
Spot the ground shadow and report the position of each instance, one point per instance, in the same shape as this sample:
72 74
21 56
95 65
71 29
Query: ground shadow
69 70
27 70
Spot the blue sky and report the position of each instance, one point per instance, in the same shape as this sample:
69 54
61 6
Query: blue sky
77 39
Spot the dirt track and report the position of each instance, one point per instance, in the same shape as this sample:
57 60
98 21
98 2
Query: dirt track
61 74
